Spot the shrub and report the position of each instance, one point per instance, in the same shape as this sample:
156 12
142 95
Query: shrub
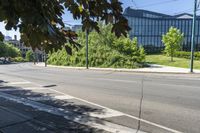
29 56
8 50
187 55
18 59
172 40
105 50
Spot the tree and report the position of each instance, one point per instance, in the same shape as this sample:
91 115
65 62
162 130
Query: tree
106 51
8 50
3 49
172 40
12 51
1 37
29 56
41 24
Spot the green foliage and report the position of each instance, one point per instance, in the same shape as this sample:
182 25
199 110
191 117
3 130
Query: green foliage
41 24
3 49
187 55
172 40
29 56
165 60
18 59
8 50
105 50
1 37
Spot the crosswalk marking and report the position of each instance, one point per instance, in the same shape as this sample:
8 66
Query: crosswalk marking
19 83
107 112
92 121
63 97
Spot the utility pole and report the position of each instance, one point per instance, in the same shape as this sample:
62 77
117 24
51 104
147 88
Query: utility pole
87 62
193 37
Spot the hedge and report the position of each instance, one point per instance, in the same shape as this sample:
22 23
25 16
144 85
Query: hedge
187 55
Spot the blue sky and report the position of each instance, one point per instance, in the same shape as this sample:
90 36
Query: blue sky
170 7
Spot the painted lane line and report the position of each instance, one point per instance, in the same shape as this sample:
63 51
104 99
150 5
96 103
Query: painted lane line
153 124
34 88
63 97
10 89
21 89
91 122
18 83
121 113
43 98
107 112
116 112
46 98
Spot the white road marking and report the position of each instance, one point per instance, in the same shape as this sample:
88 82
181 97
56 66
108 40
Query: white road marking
18 83
21 89
10 89
121 114
43 98
106 112
34 88
116 113
46 98
91 122
63 97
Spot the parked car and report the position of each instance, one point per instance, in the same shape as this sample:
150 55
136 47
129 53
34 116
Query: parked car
4 61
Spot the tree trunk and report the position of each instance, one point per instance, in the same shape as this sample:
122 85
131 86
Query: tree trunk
172 55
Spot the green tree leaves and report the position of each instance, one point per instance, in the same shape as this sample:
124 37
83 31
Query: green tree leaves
29 56
41 24
105 50
8 50
1 37
172 40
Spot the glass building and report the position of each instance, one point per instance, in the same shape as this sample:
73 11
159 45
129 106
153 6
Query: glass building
148 27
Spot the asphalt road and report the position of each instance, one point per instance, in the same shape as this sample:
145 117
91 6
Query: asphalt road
170 101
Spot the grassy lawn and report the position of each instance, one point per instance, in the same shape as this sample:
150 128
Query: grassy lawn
164 60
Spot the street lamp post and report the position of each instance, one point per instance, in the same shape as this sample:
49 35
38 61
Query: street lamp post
193 37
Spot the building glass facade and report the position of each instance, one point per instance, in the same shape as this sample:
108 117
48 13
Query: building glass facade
148 27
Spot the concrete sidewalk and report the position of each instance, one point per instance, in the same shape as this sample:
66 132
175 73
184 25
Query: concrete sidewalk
154 68
19 118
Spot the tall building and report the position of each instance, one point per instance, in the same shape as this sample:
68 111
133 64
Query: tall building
149 27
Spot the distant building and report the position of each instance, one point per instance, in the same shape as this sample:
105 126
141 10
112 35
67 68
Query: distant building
149 27
76 27
18 44
7 38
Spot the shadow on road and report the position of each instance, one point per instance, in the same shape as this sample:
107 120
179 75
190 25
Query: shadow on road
72 109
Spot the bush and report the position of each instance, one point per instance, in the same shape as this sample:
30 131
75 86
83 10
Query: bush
172 40
29 56
18 59
8 50
105 50
187 55
151 49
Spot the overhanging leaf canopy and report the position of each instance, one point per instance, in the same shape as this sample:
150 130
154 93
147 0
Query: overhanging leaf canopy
41 24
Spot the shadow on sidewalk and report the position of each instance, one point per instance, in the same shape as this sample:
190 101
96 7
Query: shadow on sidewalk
75 110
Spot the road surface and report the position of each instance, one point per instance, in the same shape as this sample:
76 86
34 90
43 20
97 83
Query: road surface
167 103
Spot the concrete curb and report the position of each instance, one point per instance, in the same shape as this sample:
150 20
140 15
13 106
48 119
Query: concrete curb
122 69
